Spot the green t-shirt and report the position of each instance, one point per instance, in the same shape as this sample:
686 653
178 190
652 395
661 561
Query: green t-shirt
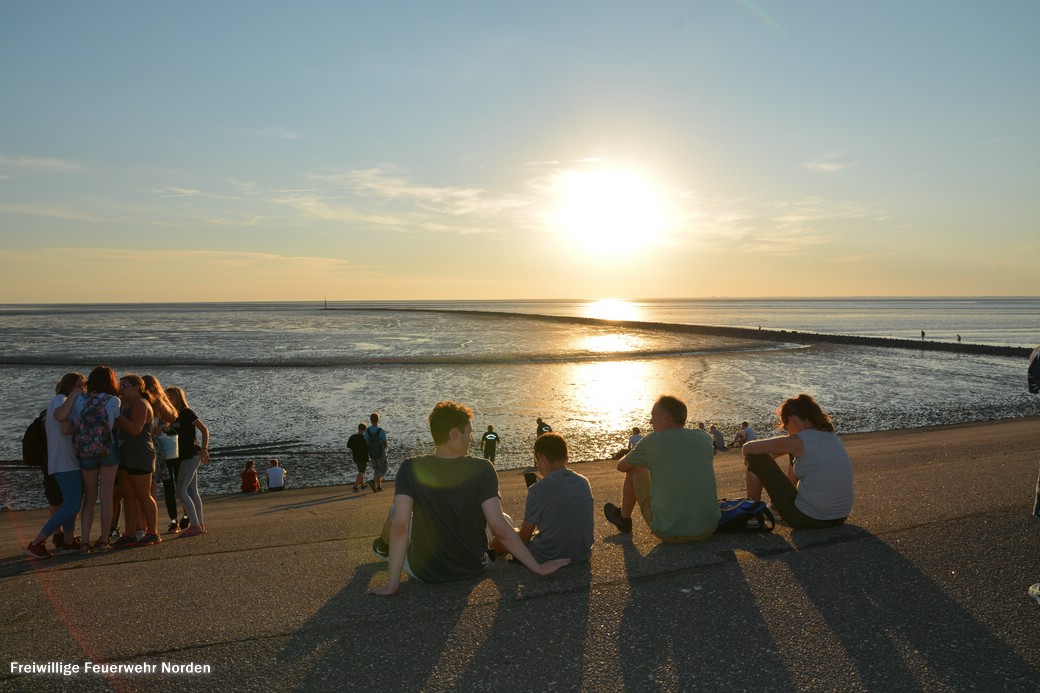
683 495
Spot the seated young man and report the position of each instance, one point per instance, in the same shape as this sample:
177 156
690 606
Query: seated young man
671 476
442 504
559 506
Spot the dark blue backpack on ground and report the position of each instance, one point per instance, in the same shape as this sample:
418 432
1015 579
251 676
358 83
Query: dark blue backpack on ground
745 515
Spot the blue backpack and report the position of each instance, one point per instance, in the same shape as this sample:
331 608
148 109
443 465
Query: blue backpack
92 436
375 441
745 515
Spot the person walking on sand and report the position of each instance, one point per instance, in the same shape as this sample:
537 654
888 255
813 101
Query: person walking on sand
358 447
817 490
489 444
671 476
444 504
376 439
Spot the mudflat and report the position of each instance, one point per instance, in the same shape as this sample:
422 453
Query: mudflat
925 588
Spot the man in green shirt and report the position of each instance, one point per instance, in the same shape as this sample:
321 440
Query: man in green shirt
669 474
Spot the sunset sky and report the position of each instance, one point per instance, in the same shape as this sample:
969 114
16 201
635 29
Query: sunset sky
224 151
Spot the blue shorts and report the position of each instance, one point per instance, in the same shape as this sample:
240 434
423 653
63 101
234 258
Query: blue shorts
90 463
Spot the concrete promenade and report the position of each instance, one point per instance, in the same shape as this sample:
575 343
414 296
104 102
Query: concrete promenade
923 590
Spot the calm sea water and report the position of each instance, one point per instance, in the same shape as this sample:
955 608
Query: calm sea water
293 380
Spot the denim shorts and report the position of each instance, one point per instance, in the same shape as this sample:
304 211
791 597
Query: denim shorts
90 463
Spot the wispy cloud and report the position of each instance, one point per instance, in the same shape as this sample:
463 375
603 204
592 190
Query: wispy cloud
830 164
38 163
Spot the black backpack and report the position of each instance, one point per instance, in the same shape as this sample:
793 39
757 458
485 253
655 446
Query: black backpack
34 442
745 515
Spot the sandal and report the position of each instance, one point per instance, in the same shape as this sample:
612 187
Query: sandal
101 545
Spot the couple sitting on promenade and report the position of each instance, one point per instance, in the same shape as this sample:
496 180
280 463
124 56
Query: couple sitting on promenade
447 503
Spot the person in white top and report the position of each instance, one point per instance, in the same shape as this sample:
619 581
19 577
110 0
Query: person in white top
817 490
275 476
63 466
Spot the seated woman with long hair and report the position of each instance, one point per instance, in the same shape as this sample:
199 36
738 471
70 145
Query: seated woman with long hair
817 490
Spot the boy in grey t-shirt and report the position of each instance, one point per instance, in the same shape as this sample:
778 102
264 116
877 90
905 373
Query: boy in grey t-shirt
559 505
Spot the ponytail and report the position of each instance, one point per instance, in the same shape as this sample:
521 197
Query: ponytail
806 408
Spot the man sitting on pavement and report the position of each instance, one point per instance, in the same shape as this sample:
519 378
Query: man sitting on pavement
442 504
670 475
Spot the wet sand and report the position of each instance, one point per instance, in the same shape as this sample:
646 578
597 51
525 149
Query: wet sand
924 588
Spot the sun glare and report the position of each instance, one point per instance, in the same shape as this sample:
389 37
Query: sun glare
608 211
612 309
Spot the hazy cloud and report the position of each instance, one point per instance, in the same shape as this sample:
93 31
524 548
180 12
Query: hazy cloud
35 163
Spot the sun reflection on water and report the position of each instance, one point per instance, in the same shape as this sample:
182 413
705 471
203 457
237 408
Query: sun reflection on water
612 395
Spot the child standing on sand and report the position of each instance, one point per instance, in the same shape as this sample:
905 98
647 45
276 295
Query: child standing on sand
275 476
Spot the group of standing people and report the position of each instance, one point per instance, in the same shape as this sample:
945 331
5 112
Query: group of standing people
106 439
369 447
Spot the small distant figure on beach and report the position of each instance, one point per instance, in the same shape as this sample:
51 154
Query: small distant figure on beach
275 476
671 477
718 440
922 335
745 435
250 481
489 443
559 506
817 490
377 446
444 503
958 338
542 427
358 447
633 440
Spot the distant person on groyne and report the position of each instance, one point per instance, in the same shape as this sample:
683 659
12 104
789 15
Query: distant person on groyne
377 447
559 506
634 439
358 447
817 490
443 505
671 477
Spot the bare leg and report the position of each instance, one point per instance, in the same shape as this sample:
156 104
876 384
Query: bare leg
130 509
628 496
147 510
90 495
108 482
754 487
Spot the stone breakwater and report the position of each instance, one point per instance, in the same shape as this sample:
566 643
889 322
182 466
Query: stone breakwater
760 334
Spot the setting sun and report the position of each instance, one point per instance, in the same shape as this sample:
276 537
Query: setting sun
608 210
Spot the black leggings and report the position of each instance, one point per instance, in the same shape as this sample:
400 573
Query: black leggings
173 468
783 493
